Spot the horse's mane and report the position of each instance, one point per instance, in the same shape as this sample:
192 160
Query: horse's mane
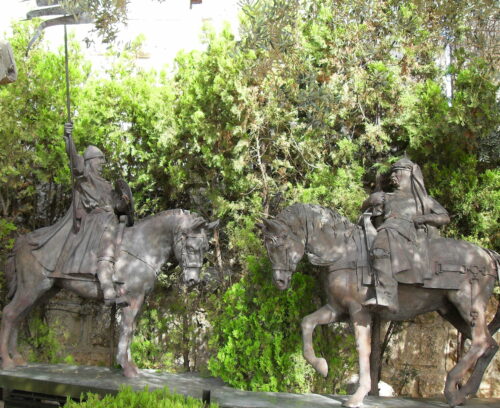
167 213
297 214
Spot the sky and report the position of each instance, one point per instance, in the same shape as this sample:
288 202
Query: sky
168 26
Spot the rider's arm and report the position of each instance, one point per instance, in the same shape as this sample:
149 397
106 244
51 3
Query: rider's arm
375 200
437 217
75 159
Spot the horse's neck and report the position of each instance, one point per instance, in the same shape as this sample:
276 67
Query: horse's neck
326 239
151 240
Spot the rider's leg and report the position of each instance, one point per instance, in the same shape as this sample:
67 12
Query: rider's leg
386 287
105 271
106 261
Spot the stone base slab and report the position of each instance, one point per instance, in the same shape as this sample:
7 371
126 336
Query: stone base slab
67 380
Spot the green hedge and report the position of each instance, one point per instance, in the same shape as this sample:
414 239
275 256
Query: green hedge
128 398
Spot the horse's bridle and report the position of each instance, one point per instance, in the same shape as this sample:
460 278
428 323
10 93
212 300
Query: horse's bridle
185 261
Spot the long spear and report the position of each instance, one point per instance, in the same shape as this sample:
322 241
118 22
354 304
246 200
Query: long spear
65 19
67 127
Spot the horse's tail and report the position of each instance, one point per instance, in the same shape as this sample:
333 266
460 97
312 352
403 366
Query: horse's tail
10 268
11 275
496 260
494 325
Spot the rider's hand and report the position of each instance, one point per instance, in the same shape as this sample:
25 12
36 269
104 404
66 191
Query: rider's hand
68 129
419 220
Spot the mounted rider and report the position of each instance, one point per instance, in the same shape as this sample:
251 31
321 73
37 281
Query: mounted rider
87 237
8 70
406 212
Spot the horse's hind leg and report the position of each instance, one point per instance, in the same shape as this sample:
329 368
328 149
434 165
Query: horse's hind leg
483 348
324 315
18 359
11 317
129 315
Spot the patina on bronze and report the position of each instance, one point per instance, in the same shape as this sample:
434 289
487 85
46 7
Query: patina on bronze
457 281
409 220
92 240
8 70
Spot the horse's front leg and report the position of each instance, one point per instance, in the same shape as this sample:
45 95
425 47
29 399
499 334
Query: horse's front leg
129 315
18 359
361 320
326 314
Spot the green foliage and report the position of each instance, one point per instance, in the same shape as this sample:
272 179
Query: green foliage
172 329
107 14
257 341
127 397
42 342
310 103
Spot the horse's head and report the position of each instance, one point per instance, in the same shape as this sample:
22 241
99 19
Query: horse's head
284 248
191 242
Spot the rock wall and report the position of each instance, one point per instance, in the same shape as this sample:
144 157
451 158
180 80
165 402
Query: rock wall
83 329
416 365
424 351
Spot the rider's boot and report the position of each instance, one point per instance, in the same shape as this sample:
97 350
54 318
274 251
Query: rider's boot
105 271
386 287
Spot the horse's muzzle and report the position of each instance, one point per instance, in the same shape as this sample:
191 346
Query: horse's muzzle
281 278
191 276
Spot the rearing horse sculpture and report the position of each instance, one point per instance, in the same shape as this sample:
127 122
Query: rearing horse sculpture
143 250
332 241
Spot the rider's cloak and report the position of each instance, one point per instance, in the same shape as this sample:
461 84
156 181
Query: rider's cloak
58 247
408 251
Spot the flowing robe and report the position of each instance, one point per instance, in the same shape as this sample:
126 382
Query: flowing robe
57 247
399 236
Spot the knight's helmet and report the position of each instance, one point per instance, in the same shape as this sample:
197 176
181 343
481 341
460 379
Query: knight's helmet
417 182
92 152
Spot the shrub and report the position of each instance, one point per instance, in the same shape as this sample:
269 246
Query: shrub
257 335
129 398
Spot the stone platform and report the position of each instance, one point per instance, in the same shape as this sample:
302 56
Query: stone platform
64 380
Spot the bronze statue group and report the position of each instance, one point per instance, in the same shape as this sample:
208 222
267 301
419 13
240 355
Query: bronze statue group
393 263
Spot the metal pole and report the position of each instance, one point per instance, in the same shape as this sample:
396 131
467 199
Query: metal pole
68 109
68 101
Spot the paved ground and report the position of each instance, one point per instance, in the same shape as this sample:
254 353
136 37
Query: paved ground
74 380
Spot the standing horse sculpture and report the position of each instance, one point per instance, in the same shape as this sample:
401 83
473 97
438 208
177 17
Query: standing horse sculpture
332 241
145 247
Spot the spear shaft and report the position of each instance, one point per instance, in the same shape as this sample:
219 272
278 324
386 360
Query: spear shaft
70 140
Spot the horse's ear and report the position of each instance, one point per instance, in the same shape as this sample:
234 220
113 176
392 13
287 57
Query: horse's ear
274 227
260 225
197 223
213 225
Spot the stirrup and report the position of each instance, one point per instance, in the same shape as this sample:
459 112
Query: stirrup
119 301
373 305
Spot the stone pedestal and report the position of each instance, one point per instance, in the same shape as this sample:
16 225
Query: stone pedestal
65 380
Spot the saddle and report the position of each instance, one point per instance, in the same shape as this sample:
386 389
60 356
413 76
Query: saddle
438 263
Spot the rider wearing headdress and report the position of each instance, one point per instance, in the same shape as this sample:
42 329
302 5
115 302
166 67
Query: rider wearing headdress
84 241
404 211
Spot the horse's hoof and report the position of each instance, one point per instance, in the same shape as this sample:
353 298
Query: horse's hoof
455 401
19 361
352 403
456 397
321 366
130 372
8 364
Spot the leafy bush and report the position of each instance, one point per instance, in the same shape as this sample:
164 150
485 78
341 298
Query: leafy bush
129 398
42 342
257 337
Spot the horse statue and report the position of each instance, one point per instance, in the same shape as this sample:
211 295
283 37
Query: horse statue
462 275
144 248
8 70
